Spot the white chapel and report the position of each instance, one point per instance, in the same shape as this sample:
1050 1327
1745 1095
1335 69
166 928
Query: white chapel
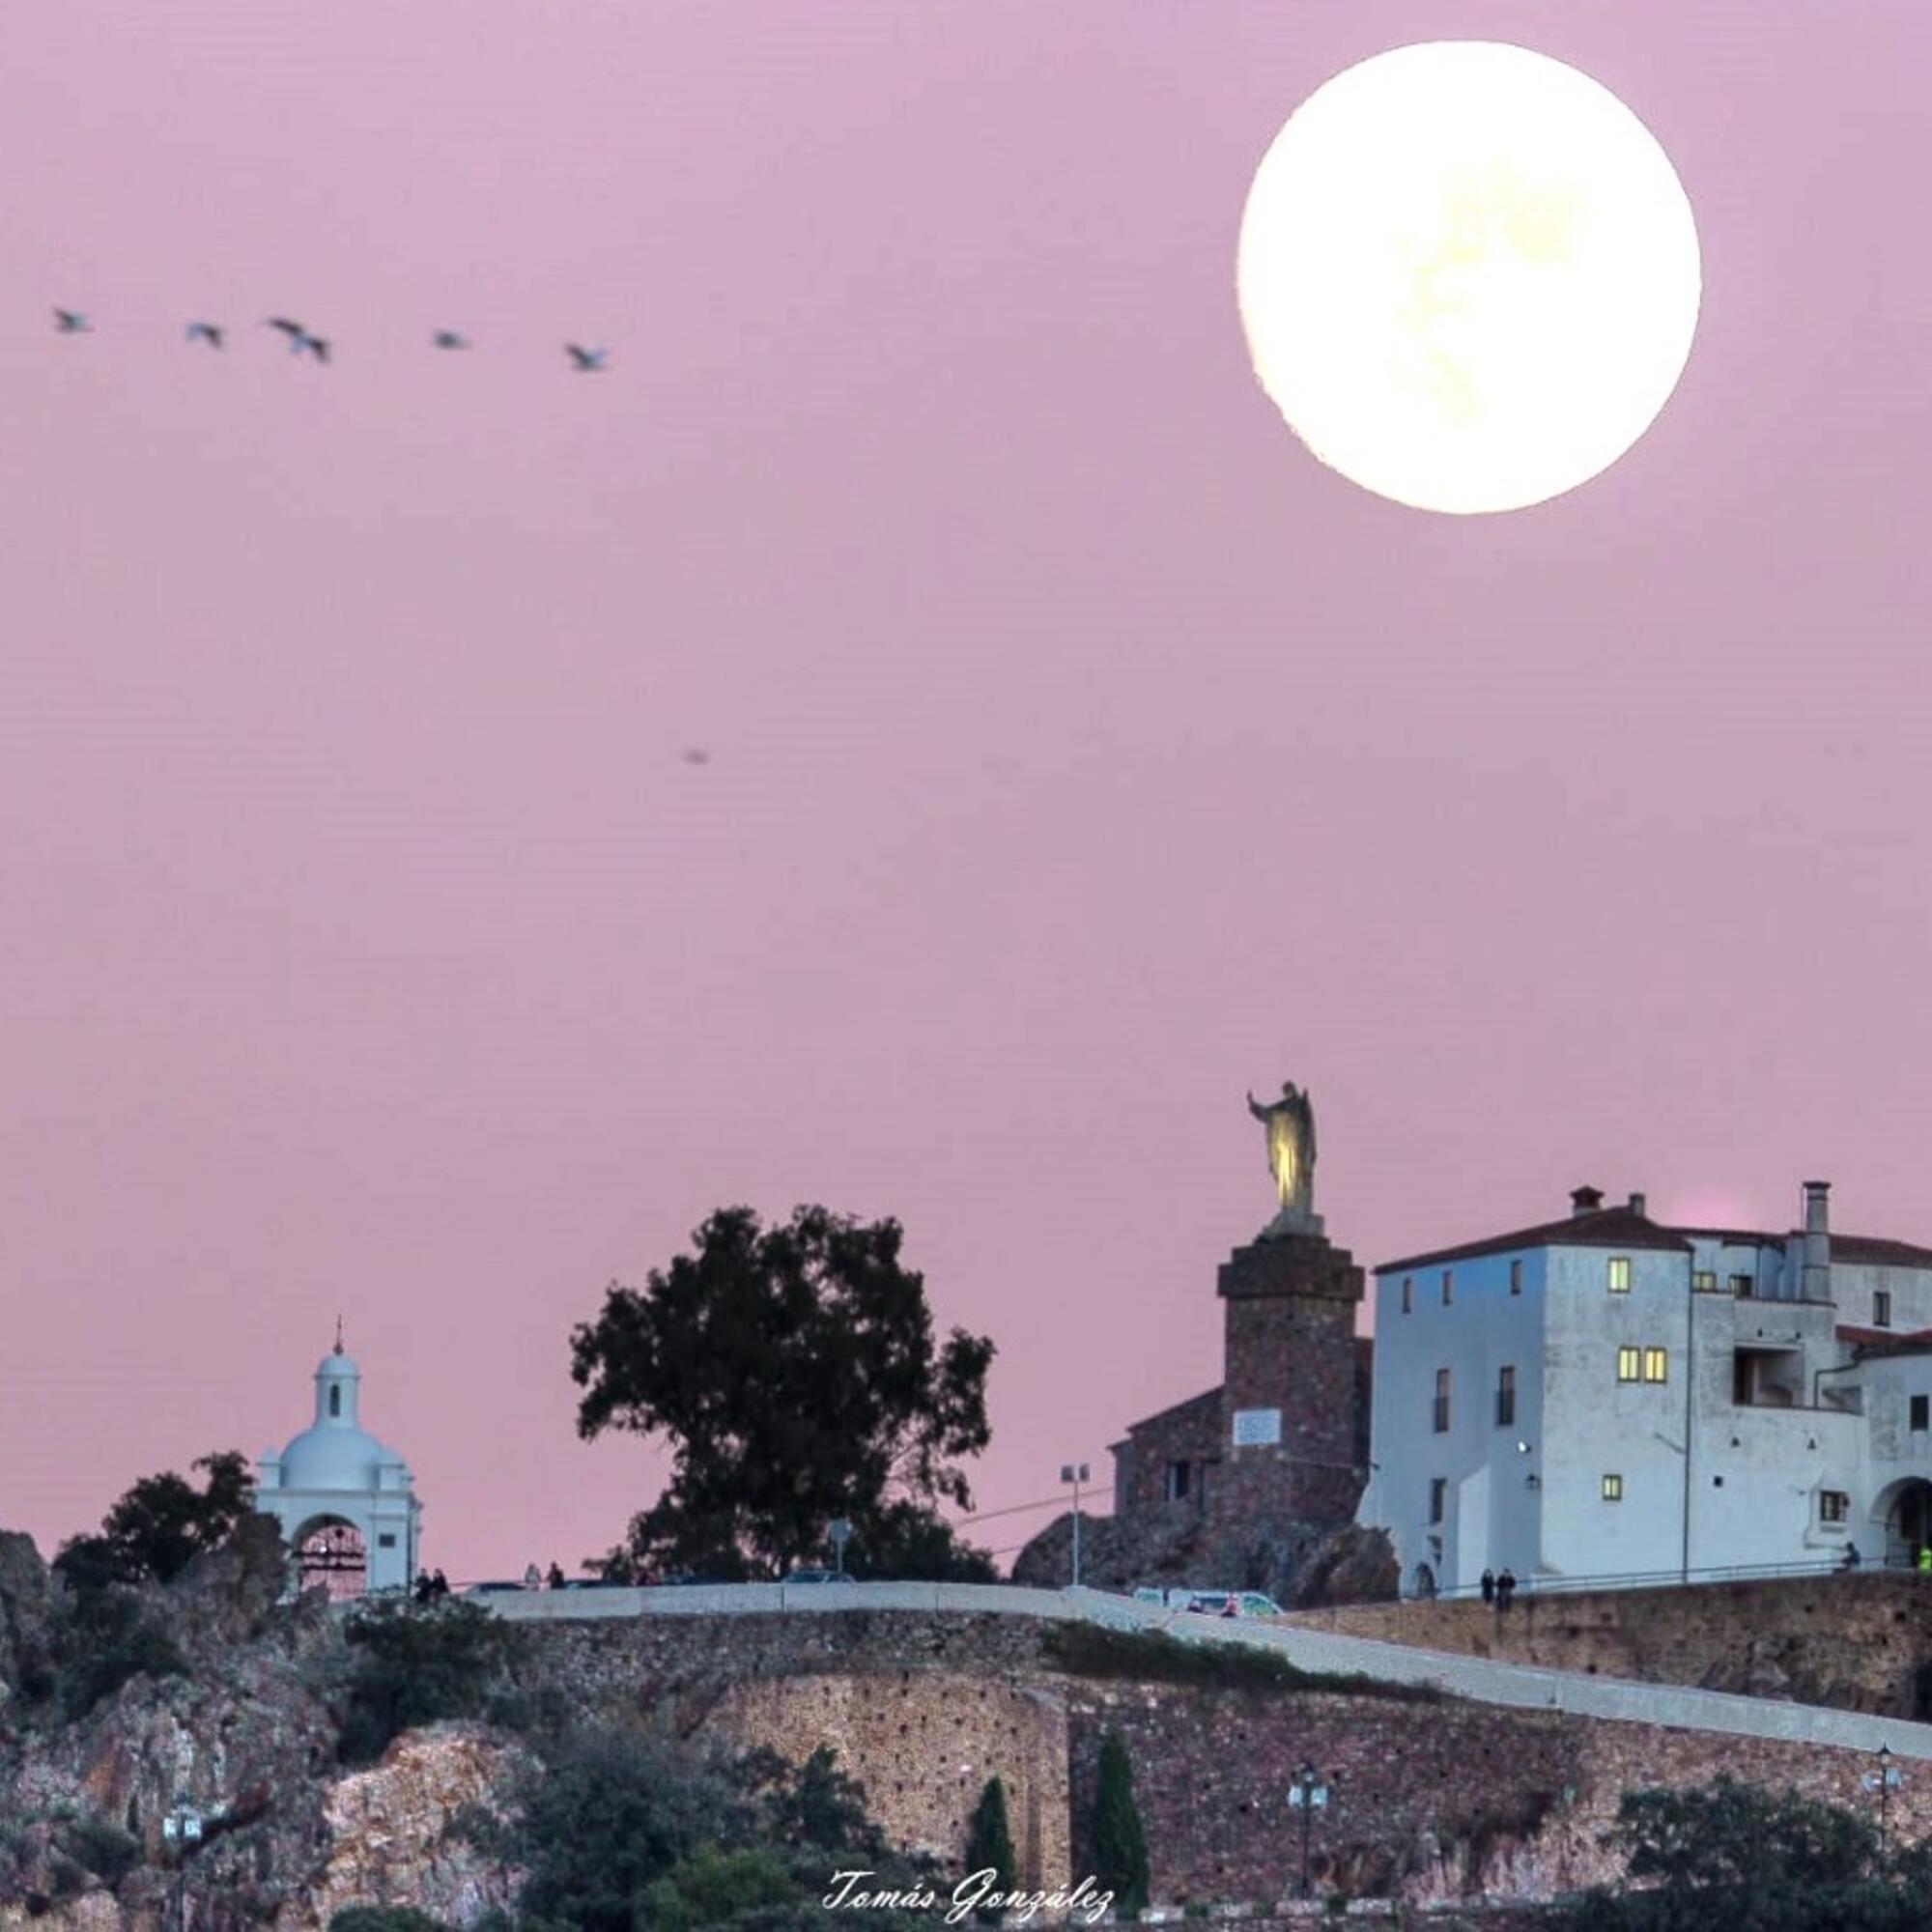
346 1503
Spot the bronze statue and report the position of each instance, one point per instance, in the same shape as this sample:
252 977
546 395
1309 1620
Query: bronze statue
1290 1148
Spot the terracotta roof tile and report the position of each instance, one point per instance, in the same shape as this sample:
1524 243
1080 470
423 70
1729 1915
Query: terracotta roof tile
1606 1227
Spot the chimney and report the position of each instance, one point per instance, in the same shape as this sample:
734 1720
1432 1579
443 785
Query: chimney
1639 1207
1817 1278
1585 1200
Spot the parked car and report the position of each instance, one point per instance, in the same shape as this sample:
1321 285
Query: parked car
595 1584
814 1576
491 1589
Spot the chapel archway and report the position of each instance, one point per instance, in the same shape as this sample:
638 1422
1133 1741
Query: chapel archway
332 1554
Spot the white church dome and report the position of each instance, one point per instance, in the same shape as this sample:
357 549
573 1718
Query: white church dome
336 1452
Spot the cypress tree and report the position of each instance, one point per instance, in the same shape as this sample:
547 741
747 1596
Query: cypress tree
1120 1843
989 1843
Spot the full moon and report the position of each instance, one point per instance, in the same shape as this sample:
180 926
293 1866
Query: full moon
1468 276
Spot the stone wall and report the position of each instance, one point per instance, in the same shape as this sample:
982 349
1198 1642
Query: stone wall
1857 1641
1189 1432
1433 1801
924 1745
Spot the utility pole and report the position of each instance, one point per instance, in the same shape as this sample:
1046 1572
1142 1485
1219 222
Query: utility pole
1075 1473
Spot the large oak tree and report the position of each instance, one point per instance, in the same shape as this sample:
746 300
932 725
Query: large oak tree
794 1373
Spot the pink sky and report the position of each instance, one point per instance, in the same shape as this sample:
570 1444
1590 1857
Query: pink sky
1082 751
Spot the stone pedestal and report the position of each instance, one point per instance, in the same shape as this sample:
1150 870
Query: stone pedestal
1291 1402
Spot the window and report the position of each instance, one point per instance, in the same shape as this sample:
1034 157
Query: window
1448 1286
1176 1482
1881 1308
1919 1409
1442 1402
1409 1294
1657 1365
1505 1396
1833 1505
1629 1364
1741 1286
335 1399
1613 1489
1438 1492
1704 1281
386 1541
1515 1277
1620 1274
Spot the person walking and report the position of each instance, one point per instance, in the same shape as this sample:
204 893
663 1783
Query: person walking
1489 1586
1505 1589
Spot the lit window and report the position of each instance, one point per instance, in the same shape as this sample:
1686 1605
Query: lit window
1448 1286
1704 1281
1613 1489
1919 1409
1515 1277
1629 1364
1442 1402
1657 1365
1833 1505
1439 1492
1881 1308
1620 1274
1408 1294
1505 1396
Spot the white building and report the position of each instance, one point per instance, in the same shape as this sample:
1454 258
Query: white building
347 1505
1606 1397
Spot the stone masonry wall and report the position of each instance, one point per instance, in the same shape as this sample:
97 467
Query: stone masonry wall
1190 1432
1433 1801
1855 1642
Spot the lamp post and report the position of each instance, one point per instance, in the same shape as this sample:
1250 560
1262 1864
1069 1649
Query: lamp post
180 1832
1075 1473
1885 1780
1307 1795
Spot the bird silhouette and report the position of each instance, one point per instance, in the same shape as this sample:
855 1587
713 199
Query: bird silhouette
209 332
695 754
447 338
289 328
316 345
71 322
585 360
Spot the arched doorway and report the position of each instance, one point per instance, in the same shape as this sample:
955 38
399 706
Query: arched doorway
1425 1581
1904 1513
331 1553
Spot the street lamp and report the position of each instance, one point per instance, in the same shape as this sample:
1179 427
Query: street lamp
1307 1795
1075 1473
1885 1780
180 1832
839 1533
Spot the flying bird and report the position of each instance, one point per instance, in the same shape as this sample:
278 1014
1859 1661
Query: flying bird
695 754
447 338
209 332
316 345
71 322
585 360
293 329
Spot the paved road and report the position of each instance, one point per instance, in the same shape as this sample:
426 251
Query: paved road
1523 1686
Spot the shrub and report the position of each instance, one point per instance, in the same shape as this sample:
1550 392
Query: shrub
102 1848
989 1845
383 1918
419 1663
1119 1840
1094 1650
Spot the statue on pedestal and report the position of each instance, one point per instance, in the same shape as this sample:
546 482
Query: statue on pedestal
1291 1156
